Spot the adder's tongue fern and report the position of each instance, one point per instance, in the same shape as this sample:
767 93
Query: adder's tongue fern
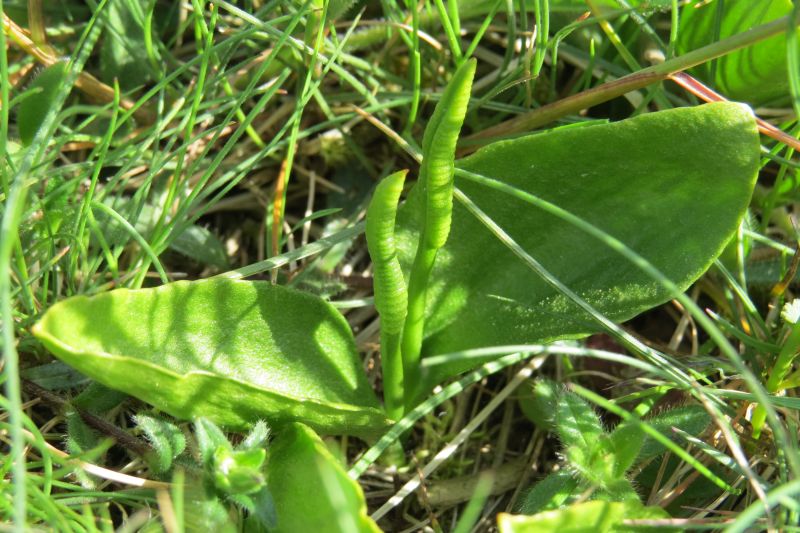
438 153
403 311
391 296
436 179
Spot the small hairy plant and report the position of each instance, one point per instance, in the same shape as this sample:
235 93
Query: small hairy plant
597 463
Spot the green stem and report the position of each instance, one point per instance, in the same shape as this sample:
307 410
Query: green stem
415 321
392 367
632 82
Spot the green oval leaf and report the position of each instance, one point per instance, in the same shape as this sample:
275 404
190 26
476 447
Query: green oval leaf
35 106
231 351
124 52
757 74
311 490
672 186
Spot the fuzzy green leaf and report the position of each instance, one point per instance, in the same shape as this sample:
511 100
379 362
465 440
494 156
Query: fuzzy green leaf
310 488
671 185
210 438
756 74
257 438
626 441
692 419
539 404
587 447
577 424
35 106
232 351
239 472
549 493
166 438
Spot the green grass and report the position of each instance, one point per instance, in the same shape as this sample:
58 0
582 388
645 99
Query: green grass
247 118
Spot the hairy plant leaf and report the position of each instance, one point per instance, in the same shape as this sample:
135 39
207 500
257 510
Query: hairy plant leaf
671 185
80 437
166 438
310 488
587 447
539 403
34 107
548 493
619 490
595 516
232 351
756 74
577 424
626 441
692 419
257 437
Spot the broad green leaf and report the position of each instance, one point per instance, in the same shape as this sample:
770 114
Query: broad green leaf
671 185
232 351
756 74
35 106
310 488
595 516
